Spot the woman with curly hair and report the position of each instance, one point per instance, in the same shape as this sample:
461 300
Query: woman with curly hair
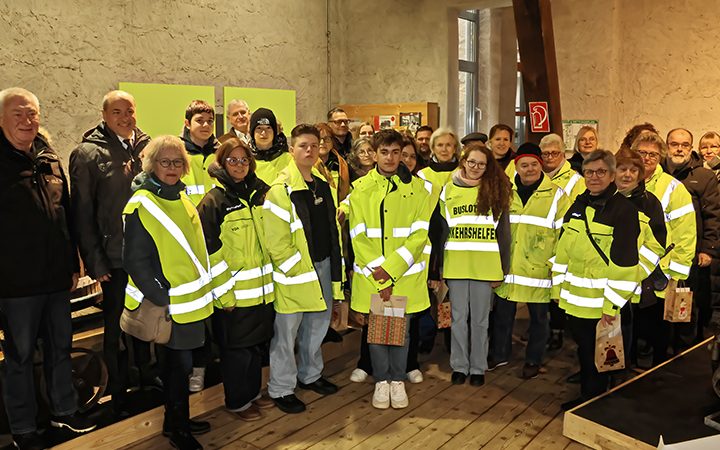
474 205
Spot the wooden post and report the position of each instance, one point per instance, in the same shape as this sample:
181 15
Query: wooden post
536 44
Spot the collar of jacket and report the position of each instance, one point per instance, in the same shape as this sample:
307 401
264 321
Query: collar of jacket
208 149
279 146
291 177
40 147
561 170
151 183
246 189
681 172
599 201
103 136
638 191
443 166
394 179
543 184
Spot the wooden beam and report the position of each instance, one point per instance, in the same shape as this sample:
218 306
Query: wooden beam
536 45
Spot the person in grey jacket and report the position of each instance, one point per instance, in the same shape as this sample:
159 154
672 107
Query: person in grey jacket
102 168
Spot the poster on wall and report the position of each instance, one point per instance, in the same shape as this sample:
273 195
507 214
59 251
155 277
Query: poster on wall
571 128
385 121
280 101
161 107
410 121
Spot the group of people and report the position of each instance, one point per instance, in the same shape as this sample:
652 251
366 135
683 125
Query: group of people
247 240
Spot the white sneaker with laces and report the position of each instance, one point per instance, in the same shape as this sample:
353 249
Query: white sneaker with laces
398 396
197 379
415 376
358 376
381 397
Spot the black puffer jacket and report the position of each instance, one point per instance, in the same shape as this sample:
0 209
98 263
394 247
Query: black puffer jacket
101 173
38 253
247 326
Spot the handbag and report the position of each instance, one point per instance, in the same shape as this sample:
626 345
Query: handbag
148 322
657 277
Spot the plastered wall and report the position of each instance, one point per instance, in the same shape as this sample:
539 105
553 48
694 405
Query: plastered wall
71 52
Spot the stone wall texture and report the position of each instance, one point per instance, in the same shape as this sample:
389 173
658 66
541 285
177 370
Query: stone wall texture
71 52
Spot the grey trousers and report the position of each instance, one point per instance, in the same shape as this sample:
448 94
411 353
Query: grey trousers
469 344
390 361
309 330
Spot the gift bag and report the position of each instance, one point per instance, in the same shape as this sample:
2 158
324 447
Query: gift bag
340 313
444 314
678 302
609 349
386 323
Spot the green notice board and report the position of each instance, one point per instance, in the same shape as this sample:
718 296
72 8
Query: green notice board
280 101
161 107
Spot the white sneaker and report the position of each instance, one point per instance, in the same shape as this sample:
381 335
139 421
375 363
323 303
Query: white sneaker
197 379
415 376
381 397
397 395
358 376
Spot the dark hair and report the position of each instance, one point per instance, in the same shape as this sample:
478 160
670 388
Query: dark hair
692 138
635 131
386 137
501 127
409 141
424 128
495 190
336 109
322 126
631 157
198 107
303 128
228 146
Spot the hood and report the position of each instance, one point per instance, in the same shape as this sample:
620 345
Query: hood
443 166
279 147
149 182
193 149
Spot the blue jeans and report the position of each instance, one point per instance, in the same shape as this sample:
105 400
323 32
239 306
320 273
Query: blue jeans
24 319
503 326
309 329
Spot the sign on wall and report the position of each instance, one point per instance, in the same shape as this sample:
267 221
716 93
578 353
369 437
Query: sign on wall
539 117
571 128
161 107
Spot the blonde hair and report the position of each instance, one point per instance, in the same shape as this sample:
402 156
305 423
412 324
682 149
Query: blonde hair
159 143
440 132
649 137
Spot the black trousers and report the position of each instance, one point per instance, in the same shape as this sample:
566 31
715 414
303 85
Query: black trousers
176 368
115 342
557 317
24 319
365 363
592 382
241 374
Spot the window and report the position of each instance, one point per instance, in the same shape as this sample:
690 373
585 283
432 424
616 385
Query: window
467 76
521 115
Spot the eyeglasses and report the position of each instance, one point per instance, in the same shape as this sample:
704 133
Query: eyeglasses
649 155
551 154
682 145
364 152
176 163
589 173
235 161
340 121
475 164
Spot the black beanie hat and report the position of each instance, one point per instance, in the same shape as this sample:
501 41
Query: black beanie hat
528 149
263 116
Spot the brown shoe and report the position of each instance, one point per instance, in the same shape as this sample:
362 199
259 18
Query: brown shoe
264 402
250 415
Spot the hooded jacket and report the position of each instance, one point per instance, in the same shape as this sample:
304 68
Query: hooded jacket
101 173
198 182
272 161
39 255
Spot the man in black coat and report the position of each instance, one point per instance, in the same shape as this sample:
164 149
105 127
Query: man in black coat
39 269
102 168
686 165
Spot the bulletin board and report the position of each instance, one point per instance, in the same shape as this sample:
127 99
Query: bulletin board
281 101
161 107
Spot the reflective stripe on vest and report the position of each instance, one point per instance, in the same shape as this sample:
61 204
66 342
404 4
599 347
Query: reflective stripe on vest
298 279
242 275
545 222
586 302
246 294
196 189
527 281
571 183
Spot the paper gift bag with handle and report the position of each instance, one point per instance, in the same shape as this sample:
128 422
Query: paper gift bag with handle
444 310
387 324
678 302
340 312
609 350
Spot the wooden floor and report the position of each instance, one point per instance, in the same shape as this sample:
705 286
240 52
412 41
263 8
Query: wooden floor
507 413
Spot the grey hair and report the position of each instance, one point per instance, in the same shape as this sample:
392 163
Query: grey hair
552 139
443 131
156 144
237 101
648 137
605 156
9 93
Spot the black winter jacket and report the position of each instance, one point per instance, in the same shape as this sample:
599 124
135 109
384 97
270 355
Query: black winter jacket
101 173
703 187
241 327
39 254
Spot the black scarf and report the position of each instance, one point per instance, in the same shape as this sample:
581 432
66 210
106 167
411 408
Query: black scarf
525 192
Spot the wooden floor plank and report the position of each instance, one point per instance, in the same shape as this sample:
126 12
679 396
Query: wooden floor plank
551 437
528 424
